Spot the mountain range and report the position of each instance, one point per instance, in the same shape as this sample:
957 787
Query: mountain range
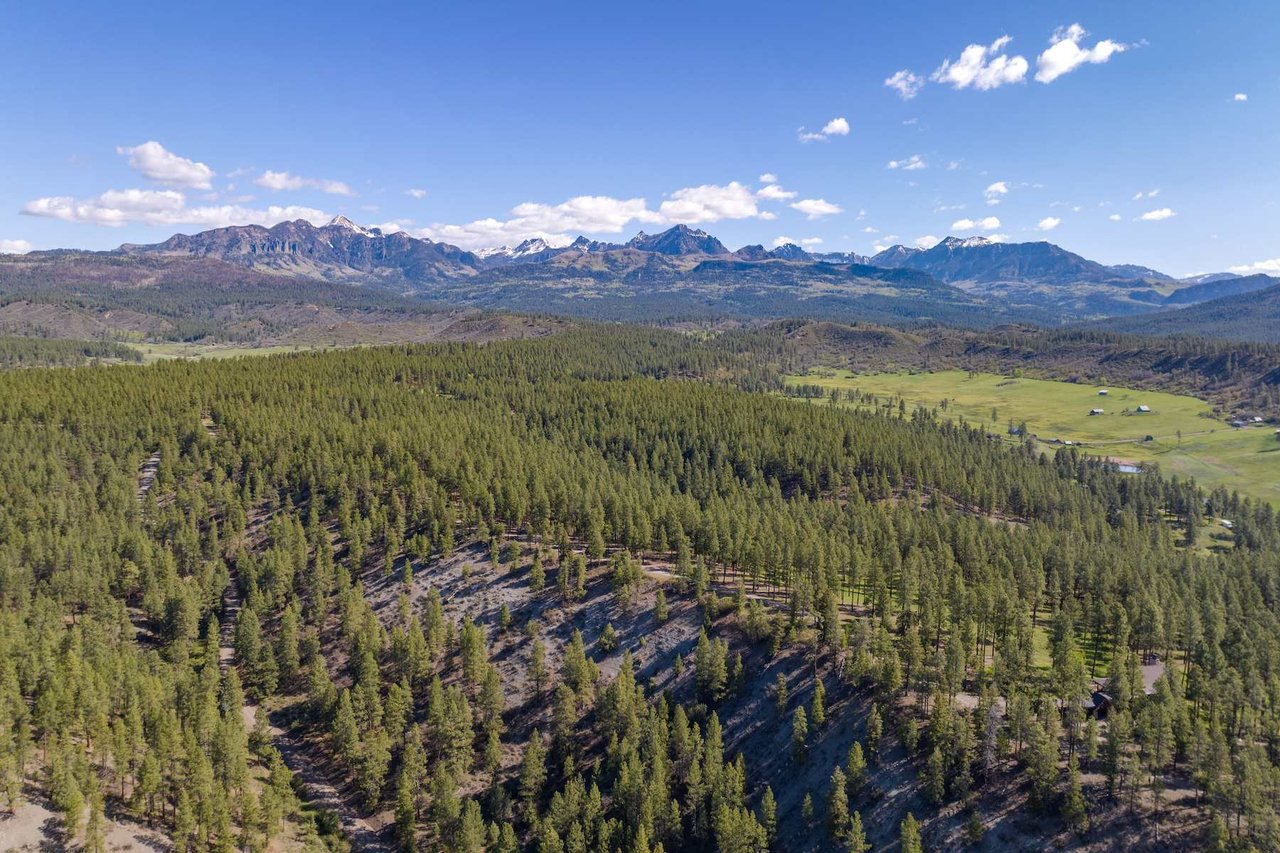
679 273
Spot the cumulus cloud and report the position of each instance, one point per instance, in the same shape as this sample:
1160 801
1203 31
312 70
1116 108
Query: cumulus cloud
162 207
416 192
995 192
1147 194
982 67
152 160
774 192
836 127
988 223
803 241
1157 215
1115 217
928 241
906 84
910 164
559 223
285 181
1065 54
816 208
1270 267
870 230
768 178
15 247
1048 223
709 203
1240 97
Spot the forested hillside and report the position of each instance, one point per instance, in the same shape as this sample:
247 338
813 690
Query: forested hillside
596 591
1252 316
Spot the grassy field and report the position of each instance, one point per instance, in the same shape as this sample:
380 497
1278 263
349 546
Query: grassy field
161 351
1209 449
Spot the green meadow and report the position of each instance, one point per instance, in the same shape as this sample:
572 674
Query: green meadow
168 350
1184 436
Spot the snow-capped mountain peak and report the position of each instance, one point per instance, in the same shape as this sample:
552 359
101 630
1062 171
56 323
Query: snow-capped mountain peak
341 221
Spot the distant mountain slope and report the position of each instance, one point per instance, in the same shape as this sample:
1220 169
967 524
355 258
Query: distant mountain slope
1216 288
1137 271
680 240
340 249
1252 316
976 259
652 277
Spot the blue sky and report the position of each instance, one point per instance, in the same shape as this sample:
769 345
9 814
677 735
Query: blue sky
484 123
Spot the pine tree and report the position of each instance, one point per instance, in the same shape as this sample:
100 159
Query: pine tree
799 736
819 707
856 840
769 815
909 835
838 805
936 777
1074 810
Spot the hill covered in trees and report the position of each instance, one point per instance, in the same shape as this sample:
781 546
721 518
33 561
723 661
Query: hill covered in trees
597 591
1248 316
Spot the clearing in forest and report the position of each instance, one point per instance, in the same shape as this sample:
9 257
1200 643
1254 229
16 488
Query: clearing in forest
1185 437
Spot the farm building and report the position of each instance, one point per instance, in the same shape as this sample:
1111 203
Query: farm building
1102 392
1144 409
1095 411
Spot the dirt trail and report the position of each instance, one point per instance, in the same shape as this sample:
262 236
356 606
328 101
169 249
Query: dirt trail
147 475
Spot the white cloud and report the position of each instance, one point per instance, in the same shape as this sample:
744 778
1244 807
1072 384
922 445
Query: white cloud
709 203
989 223
1240 97
1157 215
1048 223
998 238
1147 194
1064 53
928 241
910 164
906 84
773 192
879 247
768 178
995 192
1115 217
870 230
153 161
416 192
953 165
1270 267
558 224
803 241
162 207
836 127
284 181
982 67
394 226
15 247
816 208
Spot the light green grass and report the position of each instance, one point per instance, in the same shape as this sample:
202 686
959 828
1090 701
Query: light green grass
1209 449
167 350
